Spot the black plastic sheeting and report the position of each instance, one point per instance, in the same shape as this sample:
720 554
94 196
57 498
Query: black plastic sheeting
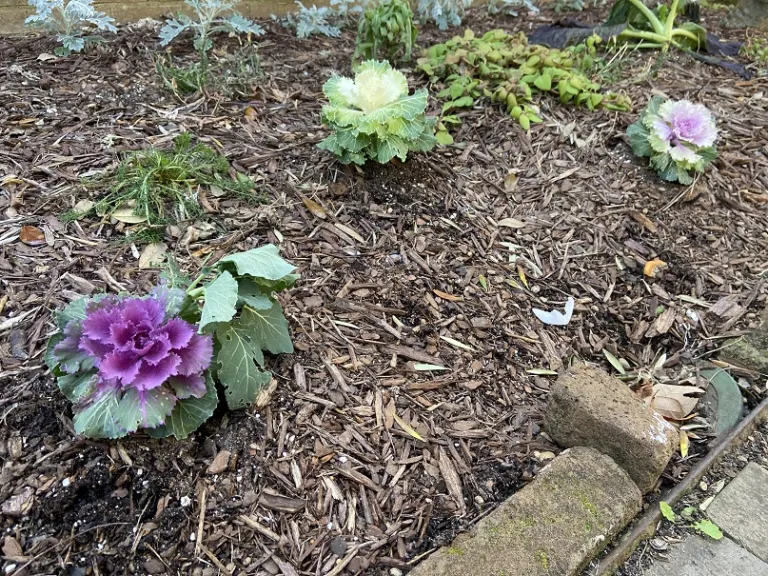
571 32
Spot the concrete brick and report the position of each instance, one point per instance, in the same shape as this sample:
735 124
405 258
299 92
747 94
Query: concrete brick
741 510
588 407
552 527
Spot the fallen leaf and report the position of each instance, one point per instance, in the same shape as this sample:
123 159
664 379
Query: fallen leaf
451 477
407 427
348 230
446 296
45 57
152 255
555 317
510 182
614 362
250 113
83 206
314 208
220 462
32 236
673 401
684 443
128 216
644 220
653 267
11 547
511 223
542 372
457 344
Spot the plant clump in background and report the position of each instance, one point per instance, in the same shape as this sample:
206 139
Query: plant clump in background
444 13
211 17
678 137
386 31
511 71
324 20
70 20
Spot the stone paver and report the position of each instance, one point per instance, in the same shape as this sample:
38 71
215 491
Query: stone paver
552 527
696 556
589 407
741 510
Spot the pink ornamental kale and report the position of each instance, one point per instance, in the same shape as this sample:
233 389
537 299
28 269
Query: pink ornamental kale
139 357
684 126
678 136
134 346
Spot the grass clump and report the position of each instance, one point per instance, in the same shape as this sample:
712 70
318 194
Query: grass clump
231 75
155 186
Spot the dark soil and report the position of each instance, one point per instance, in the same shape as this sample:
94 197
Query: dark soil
324 472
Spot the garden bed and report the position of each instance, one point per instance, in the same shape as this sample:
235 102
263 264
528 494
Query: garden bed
355 454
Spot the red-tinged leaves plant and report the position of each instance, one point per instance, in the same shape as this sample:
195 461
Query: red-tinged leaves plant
154 363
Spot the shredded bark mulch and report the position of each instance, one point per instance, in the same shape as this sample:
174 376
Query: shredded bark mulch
356 462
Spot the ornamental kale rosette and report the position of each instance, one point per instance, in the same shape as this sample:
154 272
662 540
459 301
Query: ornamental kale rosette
126 363
152 363
678 136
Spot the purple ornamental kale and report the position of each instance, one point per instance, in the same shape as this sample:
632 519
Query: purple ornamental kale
132 344
684 127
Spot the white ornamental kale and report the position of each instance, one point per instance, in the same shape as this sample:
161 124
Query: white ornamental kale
444 13
374 117
678 136
212 16
69 20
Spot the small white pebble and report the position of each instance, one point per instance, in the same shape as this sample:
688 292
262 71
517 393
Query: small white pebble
343 459
330 526
185 501
65 482
139 472
192 537
10 568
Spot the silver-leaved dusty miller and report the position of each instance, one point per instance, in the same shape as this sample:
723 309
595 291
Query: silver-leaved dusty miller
70 20
212 16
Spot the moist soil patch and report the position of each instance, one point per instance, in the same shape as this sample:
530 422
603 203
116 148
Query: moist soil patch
402 262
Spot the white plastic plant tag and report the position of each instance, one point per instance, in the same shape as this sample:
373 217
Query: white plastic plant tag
556 318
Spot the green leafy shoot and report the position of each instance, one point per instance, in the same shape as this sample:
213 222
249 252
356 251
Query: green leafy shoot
386 31
155 186
755 49
667 512
240 309
655 29
687 517
708 528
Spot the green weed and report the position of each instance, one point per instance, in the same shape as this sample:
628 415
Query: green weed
154 186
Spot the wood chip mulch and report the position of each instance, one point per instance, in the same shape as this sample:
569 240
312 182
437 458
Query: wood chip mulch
358 463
